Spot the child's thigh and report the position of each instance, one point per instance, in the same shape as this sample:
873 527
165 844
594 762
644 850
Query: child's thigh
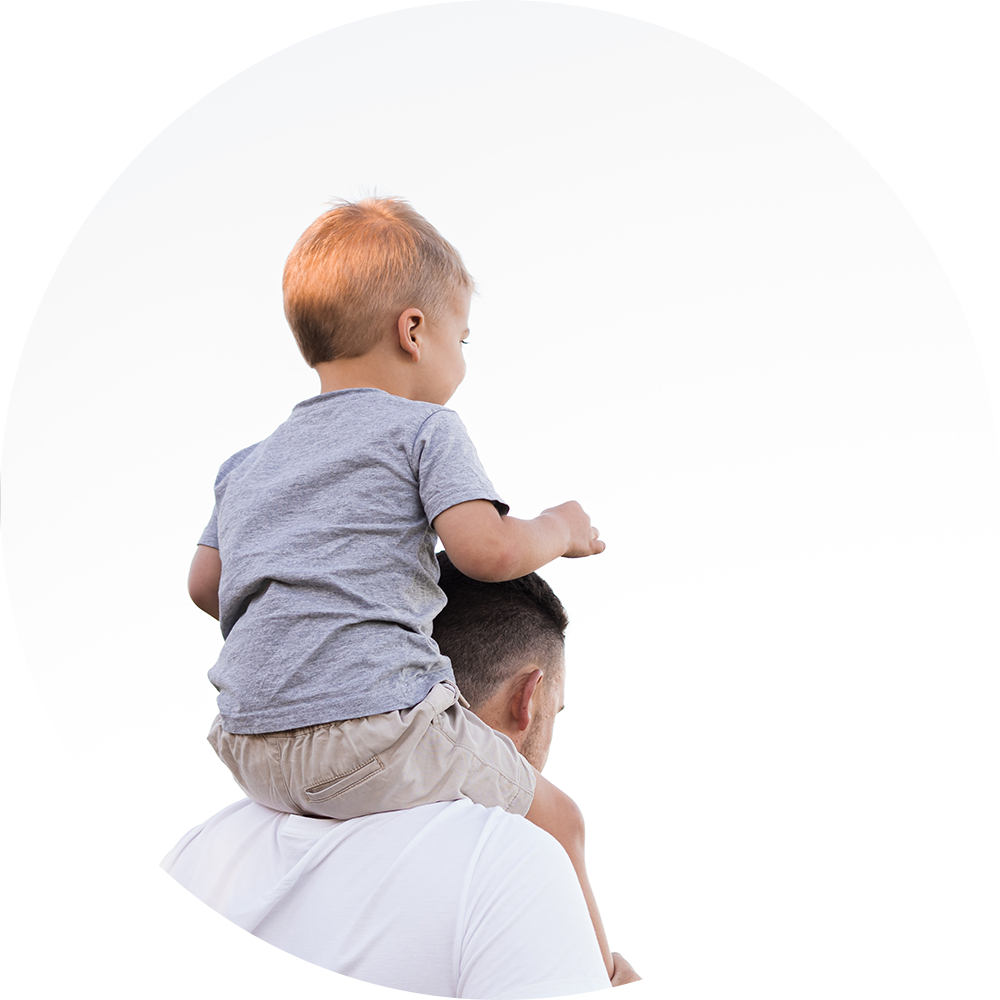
435 751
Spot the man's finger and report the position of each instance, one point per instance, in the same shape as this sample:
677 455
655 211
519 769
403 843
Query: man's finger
628 984
621 965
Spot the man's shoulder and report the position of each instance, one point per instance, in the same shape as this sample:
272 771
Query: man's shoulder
461 828
460 815
264 846
449 892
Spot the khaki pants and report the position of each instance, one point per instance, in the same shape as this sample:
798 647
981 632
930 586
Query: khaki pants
434 752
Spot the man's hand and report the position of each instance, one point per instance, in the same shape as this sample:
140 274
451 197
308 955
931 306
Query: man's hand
628 984
583 539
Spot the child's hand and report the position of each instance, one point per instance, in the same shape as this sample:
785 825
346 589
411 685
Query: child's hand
489 547
583 537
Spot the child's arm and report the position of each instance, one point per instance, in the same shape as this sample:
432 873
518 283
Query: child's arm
485 546
203 579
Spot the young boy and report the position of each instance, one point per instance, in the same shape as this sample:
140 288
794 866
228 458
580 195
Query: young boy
319 562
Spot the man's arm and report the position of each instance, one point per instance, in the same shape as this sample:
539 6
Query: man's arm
487 547
203 579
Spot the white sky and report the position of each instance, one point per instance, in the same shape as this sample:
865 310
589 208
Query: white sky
702 314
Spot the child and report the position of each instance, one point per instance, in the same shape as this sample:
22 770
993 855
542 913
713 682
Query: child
319 562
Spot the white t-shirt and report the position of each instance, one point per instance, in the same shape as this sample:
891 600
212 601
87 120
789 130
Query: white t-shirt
451 899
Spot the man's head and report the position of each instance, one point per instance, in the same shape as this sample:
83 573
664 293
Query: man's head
358 267
505 642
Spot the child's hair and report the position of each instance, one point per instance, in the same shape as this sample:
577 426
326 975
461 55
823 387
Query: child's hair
357 267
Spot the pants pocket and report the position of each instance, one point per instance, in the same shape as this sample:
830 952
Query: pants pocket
342 782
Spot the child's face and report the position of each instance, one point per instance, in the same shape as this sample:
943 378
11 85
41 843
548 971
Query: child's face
441 354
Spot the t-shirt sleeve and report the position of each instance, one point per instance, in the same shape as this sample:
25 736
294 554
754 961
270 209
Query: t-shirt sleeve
210 536
527 929
447 467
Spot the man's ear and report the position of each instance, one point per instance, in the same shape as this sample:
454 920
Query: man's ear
521 705
411 325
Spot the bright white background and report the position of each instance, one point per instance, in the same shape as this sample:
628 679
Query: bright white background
816 649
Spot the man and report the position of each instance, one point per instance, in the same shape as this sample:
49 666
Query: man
448 899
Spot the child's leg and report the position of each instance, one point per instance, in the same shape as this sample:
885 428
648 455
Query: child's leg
436 751
556 813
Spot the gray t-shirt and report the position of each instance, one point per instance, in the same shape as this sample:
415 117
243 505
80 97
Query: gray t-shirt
329 579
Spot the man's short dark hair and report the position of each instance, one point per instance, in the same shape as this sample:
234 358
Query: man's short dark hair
490 630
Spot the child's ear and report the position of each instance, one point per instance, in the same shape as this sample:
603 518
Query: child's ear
411 328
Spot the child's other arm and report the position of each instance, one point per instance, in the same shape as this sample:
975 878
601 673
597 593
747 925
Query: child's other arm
203 579
482 544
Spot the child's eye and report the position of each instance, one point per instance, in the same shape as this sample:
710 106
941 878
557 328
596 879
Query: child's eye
464 341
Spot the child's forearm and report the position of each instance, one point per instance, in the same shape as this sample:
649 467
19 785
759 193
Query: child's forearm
520 548
529 545
488 547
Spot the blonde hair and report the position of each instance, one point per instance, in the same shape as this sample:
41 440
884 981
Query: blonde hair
357 267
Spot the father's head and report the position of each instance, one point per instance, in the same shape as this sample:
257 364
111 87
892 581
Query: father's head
505 642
